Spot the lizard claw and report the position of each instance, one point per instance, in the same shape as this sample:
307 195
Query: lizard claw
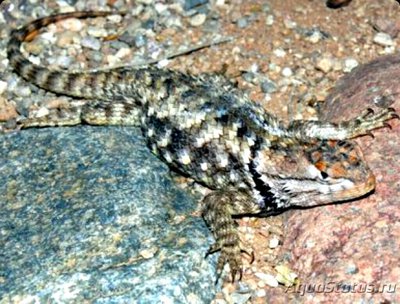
369 133
230 255
393 113
250 254
370 120
387 125
233 274
369 111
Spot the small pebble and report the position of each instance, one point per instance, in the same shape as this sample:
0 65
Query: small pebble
314 35
324 64
314 38
273 67
266 8
273 243
35 48
163 63
260 293
129 36
97 31
254 68
160 8
23 91
149 24
95 56
112 60
287 72
192 4
239 298
289 24
249 77
285 275
383 39
140 40
71 2
351 269
197 19
3 86
268 279
72 24
268 86
148 252
389 50
67 38
115 18
63 61
91 43
42 112
123 52
269 20
7 110
13 82
349 64
242 22
279 53
147 2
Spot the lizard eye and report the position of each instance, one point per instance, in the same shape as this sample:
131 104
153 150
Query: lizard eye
324 175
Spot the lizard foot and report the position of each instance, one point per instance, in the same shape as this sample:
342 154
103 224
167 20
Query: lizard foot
219 207
370 120
230 254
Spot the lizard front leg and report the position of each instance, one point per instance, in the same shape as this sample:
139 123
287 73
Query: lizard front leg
361 125
218 208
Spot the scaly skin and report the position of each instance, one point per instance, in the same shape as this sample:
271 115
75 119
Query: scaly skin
207 129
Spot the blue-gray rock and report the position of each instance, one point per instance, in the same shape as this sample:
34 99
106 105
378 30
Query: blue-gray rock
139 40
71 2
268 86
191 4
148 24
91 43
88 214
242 22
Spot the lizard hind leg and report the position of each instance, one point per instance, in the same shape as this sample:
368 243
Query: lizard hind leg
60 116
218 208
118 112
95 112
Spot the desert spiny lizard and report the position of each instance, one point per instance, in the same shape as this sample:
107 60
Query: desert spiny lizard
208 129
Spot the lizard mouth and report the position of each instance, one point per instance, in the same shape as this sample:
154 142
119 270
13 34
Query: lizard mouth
358 189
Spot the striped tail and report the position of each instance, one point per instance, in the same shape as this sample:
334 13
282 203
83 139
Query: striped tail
89 85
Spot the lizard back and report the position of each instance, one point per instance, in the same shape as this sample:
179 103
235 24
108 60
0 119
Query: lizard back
201 125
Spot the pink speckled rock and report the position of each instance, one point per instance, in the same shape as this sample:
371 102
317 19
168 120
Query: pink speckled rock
357 242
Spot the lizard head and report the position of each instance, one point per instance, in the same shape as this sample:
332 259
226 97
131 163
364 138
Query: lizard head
311 174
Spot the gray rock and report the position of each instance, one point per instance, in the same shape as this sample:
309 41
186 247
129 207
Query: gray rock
91 43
140 40
149 24
191 4
88 214
383 39
242 22
268 86
71 2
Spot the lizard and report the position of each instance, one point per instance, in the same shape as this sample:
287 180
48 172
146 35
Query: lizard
206 128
